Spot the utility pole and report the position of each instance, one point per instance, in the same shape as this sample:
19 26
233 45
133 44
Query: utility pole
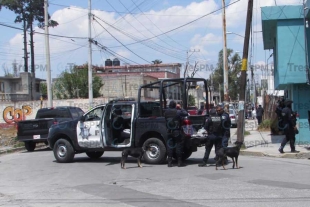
33 76
25 42
90 71
47 53
225 62
241 120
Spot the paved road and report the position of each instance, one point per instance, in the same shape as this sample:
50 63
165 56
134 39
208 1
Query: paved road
35 179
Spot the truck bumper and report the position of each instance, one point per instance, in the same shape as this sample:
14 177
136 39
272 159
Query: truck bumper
34 138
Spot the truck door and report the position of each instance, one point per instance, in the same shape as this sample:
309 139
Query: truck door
88 130
118 125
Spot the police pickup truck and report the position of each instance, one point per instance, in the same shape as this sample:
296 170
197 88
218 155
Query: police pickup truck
125 123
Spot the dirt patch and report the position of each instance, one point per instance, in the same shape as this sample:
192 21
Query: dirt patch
8 136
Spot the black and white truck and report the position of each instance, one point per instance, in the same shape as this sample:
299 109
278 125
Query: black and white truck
126 123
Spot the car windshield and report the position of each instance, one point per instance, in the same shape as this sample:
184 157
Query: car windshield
191 108
231 112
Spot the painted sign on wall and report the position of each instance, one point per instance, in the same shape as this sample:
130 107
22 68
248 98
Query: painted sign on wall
12 115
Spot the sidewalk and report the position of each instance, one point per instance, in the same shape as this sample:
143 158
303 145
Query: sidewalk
262 143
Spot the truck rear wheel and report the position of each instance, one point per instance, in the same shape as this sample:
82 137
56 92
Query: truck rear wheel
63 151
157 154
30 146
94 155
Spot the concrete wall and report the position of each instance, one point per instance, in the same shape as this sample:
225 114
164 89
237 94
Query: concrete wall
12 112
301 98
290 54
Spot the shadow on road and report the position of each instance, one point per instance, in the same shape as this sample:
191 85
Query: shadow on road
39 150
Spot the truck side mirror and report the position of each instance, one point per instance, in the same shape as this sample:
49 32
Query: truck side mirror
82 119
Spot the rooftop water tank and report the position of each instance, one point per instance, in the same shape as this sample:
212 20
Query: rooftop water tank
116 62
108 62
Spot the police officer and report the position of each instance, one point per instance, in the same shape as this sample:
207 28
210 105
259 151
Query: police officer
225 125
175 138
213 127
289 124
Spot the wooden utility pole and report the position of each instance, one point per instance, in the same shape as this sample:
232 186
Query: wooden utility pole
225 58
241 114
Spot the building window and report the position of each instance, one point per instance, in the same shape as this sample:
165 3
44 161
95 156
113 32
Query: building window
151 89
37 87
2 87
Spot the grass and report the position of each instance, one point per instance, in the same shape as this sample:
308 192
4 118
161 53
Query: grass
246 133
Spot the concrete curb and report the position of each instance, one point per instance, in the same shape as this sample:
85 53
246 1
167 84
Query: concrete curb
18 149
301 155
12 150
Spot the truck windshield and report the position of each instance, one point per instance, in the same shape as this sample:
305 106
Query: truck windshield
53 113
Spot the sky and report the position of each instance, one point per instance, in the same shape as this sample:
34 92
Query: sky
167 28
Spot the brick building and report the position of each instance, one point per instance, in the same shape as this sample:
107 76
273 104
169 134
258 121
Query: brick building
124 81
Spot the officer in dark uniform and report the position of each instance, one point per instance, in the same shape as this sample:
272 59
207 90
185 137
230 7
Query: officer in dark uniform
289 123
214 128
225 125
175 138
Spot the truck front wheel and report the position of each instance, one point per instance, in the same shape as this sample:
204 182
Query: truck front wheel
157 153
63 151
94 155
30 146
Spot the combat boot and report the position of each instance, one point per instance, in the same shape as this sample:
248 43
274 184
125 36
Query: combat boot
169 161
202 164
281 149
180 163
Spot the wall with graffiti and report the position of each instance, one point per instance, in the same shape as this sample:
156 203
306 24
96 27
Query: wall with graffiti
12 112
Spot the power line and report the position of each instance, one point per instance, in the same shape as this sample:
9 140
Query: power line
185 23
70 37
121 42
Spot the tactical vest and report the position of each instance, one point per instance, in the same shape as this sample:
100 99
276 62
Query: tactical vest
172 119
216 124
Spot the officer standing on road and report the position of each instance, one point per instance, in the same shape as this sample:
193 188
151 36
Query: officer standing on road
225 125
175 138
213 127
289 123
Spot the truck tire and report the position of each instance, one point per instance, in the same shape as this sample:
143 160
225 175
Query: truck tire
157 154
94 155
30 146
63 151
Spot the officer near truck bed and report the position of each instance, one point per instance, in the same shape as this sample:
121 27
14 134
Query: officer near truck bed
175 137
225 125
213 127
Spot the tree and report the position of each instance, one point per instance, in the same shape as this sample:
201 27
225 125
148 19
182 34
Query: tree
74 84
43 89
28 11
234 71
157 61
191 100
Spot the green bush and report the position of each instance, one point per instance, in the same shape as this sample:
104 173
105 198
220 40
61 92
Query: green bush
266 124
246 133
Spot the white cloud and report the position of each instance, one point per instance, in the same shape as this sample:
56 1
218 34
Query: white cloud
74 22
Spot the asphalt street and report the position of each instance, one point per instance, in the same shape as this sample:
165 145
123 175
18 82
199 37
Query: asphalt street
36 179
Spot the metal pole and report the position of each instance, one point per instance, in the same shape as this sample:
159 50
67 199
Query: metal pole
25 45
306 44
225 63
90 72
241 120
47 53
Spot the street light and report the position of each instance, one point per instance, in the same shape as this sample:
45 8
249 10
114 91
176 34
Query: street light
234 33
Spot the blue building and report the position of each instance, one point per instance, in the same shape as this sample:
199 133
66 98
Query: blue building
284 30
